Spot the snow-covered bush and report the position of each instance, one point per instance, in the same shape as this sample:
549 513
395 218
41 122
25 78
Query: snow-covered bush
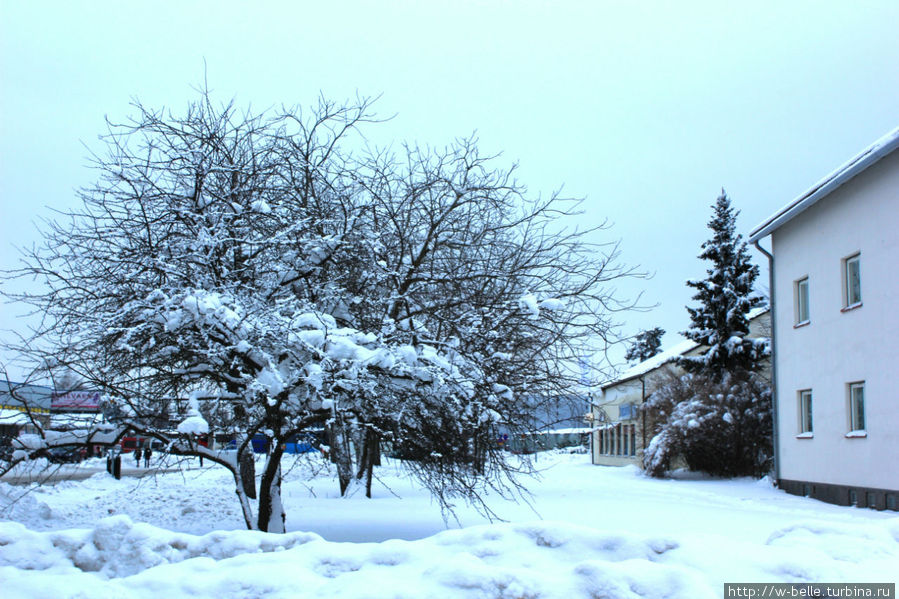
723 428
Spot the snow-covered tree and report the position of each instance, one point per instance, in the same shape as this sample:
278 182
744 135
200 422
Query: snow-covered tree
645 345
720 321
717 417
245 274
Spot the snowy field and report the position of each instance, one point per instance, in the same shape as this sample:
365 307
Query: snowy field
589 532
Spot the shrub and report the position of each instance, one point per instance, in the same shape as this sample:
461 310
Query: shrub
721 428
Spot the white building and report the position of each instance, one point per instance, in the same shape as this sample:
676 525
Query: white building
835 294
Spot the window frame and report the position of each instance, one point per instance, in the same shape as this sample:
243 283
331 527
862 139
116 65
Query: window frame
798 304
849 300
806 412
854 412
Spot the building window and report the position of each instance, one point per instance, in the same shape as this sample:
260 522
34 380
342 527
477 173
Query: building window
800 292
852 279
857 406
619 439
805 411
633 439
626 438
870 499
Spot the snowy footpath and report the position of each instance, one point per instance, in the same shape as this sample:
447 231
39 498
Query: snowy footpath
589 531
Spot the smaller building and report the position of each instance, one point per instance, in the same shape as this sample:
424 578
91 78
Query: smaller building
24 404
555 422
76 409
21 404
621 428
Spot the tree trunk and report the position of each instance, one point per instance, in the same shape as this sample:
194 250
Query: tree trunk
372 457
370 454
271 510
375 448
247 467
341 454
333 436
358 437
245 506
480 453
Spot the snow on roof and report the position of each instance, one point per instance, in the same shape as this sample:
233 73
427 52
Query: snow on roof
756 312
37 396
81 420
8 416
565 431
669 354
654 362
857 164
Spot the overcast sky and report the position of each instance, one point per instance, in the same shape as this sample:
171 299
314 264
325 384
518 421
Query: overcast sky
645 109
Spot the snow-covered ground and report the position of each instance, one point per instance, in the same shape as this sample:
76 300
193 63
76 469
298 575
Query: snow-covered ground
589 532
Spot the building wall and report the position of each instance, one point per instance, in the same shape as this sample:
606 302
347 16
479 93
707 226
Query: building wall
840 346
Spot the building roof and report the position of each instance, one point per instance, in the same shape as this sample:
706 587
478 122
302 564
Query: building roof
17 417
881 148
75 421
13 394
662 358
654 362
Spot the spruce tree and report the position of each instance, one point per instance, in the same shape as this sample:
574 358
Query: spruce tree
725 298
646 344
717 418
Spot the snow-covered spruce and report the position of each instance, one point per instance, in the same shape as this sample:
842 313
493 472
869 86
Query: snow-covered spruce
717 418
645 345
720 321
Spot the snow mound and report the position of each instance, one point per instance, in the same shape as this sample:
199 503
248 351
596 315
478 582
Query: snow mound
600 537
535 560
22 507
841 543
117 547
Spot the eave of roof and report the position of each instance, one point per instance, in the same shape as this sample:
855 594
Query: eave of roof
856 165
640 369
